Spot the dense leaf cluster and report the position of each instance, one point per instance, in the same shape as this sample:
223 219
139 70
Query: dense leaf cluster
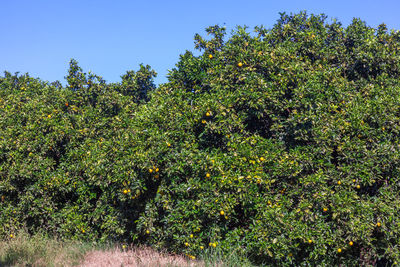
282 146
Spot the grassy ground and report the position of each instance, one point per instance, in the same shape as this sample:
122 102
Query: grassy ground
25 250
38 250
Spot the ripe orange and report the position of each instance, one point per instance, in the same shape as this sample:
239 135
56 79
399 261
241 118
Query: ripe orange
150 170
210 56
309 241
240 64
339 182
125 191
208 175
325 209
222 212
339 250
350 243
378 224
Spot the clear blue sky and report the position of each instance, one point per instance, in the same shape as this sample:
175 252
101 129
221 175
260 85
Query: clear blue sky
113 36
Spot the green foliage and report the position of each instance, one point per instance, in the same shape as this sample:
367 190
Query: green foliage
282 146
63 163
139 84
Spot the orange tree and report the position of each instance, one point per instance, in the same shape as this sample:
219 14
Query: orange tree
282 145
63 168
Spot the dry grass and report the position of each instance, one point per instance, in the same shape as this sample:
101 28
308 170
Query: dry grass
38 250
135 257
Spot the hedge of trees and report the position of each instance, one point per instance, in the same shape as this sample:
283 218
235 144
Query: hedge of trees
281 145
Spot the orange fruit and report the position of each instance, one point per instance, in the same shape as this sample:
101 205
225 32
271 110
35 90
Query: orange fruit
222 212
240 64
350 243
208 175
339 250
378 224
